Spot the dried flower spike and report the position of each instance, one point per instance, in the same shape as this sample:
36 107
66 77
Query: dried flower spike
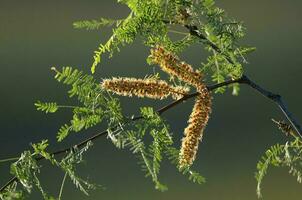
194 132
285 128
151 88
172 65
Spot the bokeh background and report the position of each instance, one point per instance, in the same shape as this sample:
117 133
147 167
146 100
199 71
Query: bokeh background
35 35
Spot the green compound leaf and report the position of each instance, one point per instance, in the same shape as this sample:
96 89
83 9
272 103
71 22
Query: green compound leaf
51 107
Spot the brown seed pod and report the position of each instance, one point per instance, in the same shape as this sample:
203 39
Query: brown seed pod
172 65
151 88
194 131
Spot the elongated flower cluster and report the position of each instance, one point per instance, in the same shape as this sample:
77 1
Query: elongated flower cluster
151 88
172 65
194 131
159 89
199 117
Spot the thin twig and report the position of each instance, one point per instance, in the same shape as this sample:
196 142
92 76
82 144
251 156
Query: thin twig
193 30
9 159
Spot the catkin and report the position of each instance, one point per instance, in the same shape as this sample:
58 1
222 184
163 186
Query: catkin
194 131
151 88
159 89
199 117
172 65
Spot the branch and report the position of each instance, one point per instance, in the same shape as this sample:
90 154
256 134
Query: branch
245 80
94 137
193 30
277 99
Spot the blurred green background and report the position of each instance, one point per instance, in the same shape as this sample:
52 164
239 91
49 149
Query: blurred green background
35 35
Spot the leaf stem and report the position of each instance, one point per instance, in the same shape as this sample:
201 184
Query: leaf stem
9 159
62 186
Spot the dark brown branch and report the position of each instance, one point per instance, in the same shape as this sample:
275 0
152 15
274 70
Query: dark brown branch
276 98
245 80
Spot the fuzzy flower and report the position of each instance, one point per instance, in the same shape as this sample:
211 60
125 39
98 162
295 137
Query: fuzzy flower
172 65
199 117
151 88
194 131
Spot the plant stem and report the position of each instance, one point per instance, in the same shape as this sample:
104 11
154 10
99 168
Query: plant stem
9 159
62 186
277 99
243 80
105 132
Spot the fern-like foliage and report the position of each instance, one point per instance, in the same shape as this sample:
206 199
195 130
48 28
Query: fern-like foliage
68 164
12 193
63 132
287 155
221 34
95 24
144 19
205 22
25 174
151 155
26 170
154 22
51 107
173 155
96 104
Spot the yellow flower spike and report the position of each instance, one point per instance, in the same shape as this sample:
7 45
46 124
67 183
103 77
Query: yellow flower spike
172 65
159 89
199 117
194 131
151 88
